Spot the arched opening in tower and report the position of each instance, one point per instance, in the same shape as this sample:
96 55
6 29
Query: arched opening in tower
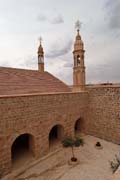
55 136
22 150
78 60
78 126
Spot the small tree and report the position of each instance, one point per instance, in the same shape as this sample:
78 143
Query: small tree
72 142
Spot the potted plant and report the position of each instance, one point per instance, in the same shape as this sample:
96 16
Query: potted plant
72 142
98 145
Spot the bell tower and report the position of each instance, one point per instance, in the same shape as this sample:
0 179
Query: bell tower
40 57
79 67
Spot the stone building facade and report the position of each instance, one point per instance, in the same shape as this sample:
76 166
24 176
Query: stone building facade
37 109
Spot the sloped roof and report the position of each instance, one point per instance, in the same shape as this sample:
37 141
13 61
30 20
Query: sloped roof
20 81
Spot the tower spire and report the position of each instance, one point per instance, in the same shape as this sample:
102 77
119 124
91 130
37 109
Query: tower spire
40 56
40 39
79 68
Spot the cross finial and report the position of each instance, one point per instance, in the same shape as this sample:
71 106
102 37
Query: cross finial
40 39
78 25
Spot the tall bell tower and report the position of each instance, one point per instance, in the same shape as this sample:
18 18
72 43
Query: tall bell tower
79 67
40 57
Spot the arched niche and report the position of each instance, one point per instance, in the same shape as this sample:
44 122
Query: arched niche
55 135
22 149
77 127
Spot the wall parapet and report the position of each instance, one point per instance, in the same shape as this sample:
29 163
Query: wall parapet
41 94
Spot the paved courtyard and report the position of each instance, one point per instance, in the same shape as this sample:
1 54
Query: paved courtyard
93 163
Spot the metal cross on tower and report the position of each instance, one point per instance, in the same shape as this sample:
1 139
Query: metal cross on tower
40 39
78 25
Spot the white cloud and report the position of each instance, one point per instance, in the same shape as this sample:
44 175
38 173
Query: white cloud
52 19
41 17
59 48
113 14
57 19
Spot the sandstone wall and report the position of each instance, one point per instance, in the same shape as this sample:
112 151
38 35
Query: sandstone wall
36 115
99 110
104 113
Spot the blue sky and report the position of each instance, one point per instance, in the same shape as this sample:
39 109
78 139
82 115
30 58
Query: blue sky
23 22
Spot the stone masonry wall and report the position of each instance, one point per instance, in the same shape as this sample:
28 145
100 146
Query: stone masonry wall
36 115
98 110
104 113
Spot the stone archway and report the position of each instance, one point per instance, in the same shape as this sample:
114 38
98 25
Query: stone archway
77 127
22 150
56 134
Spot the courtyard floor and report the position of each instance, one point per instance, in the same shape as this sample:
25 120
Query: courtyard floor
93 163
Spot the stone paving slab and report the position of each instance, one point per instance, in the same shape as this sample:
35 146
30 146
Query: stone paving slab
93 163
116 176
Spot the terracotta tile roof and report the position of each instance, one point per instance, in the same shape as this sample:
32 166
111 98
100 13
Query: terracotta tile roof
21 81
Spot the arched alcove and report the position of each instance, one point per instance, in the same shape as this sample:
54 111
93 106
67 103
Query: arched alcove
77 127
22 150
56 134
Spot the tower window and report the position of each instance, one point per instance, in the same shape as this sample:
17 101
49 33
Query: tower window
40 59
78 60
